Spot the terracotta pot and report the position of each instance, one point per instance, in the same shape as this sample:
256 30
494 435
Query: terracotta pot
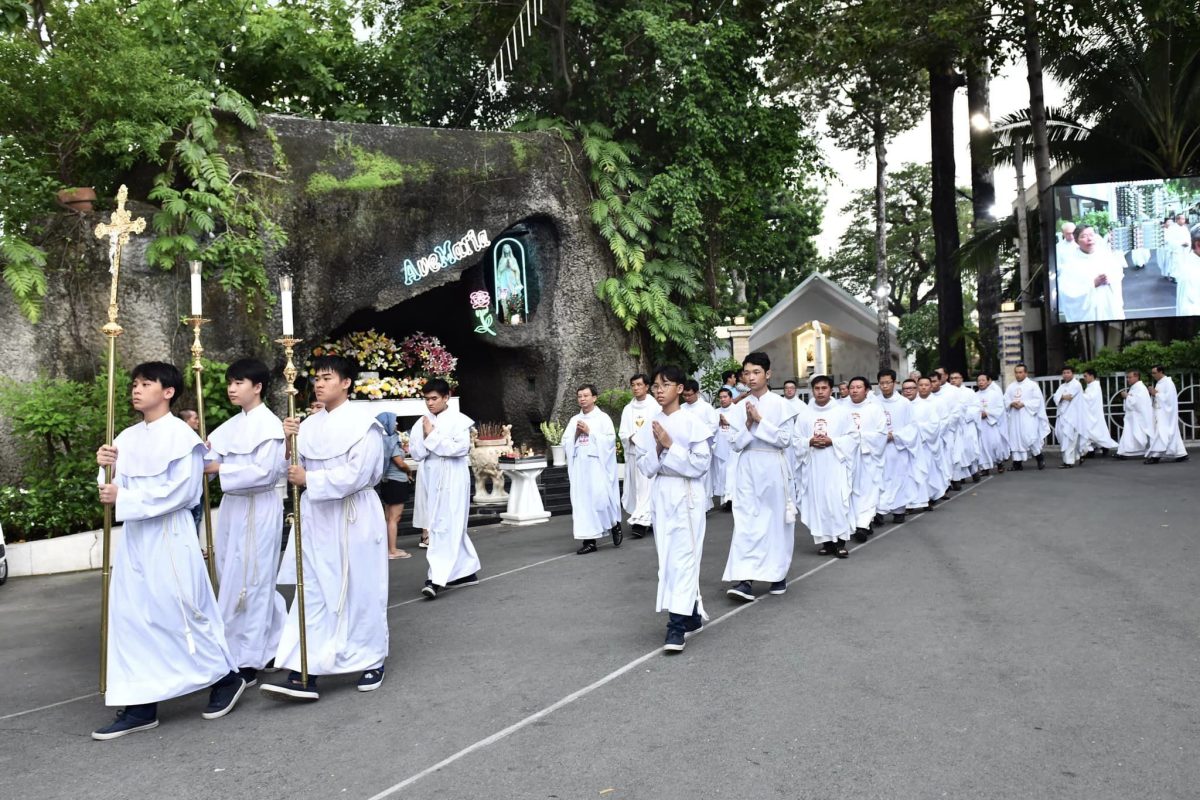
80 199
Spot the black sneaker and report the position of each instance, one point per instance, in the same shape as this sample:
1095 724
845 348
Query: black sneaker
618 535
693 623
742 590
292 690
250 676
467 580
122 725
224 696
588 547
429 590
778 587
861 534
674 642
371 680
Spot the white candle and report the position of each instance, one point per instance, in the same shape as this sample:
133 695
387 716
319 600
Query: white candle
285 299
196 267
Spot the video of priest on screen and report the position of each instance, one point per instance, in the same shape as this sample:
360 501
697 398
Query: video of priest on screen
1127 250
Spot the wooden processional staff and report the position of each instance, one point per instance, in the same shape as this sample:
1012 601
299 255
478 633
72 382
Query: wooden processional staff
117 231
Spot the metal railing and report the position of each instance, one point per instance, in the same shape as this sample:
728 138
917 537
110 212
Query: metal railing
1187 384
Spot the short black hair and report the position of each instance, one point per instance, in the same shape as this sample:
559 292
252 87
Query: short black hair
166 375
1067 367
1020 364
1091 372
639 376
436 386
793 382
725 390
866 382
691 385
727 374
249 369
591 387
913 381
1137 372
982 374
885 373
825 379
669 373
1158 367
758 359
339 365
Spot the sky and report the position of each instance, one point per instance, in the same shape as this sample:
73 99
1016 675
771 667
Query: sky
1010 93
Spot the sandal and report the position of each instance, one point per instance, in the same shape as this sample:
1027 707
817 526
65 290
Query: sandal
841 551
399 554
826 549
424 542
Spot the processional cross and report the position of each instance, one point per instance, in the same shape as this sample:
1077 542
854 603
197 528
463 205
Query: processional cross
117 231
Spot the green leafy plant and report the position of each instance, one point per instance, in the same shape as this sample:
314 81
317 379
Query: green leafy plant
217 407
1176 356
553 431
710 380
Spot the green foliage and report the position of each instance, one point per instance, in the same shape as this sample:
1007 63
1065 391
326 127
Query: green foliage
217 407
371 172
710 380
59 424
1178 355
552 431
1102 221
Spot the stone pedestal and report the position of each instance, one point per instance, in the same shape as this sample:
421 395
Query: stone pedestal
524 500
739 340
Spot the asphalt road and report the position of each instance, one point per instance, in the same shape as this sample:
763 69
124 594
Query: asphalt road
1038 636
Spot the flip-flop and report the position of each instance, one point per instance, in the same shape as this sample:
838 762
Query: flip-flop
401 554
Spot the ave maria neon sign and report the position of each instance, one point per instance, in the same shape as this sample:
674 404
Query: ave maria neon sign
446 255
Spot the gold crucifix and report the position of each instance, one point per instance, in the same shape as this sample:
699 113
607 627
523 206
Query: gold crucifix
117 231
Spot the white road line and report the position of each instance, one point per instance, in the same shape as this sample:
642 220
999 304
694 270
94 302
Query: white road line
52 705
622 670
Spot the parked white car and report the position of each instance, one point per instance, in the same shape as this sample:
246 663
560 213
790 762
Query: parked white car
3 558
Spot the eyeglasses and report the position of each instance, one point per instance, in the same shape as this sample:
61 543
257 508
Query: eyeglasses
663 385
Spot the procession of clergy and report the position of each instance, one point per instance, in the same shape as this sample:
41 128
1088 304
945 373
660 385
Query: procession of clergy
838 465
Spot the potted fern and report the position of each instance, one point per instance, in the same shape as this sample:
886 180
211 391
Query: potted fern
553 431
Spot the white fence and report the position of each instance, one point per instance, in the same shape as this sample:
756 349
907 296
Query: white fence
1187 384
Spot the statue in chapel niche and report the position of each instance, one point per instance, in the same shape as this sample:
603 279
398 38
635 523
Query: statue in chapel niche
512 307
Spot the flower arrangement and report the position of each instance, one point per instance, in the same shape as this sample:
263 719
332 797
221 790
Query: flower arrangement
379 388
553 431
405 365
426 355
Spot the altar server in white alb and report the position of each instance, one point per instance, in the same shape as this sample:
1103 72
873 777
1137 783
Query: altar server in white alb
764 507
1097 430
344 541
674 451
1028 425
1167 441
825 443
590 443
247 454
928 456
993 428
635 497
165 635
1071 421
871 424
694 403
1138 427
440 442
901 472
722 449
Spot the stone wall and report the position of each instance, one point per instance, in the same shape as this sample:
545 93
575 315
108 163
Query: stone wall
359 202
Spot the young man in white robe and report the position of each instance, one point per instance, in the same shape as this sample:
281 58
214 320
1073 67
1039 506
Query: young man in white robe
825 443
247 455
440 442
344 548
165 634
1177 241
590 443
993 428
1089 284
901 472
1071 421
674 451
1167 441
1028 425
635 495
1097 430
871 425
928 455
694 403
764 506
722 450
1138 427
968 422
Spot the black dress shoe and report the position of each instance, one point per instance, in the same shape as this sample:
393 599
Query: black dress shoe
588 547
618 535
1153 460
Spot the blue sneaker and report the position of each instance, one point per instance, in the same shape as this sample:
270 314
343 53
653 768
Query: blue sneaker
742 591
675 641
123 724
371 680
224 696
779 587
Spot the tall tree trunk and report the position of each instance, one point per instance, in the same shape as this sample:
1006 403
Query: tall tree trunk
1041 165
883 338
944 81
983 198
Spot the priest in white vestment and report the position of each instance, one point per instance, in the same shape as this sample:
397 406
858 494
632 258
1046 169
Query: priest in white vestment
1177 244
1187 282
1097 430
901 473
440 442
344 541
675 452
764 506
1028 425
1089 284
1138 427
635 495
247 455
1071 419
944 400
993 428
1167 441
590 443
825 443
165 637
928 456
871 425
968 405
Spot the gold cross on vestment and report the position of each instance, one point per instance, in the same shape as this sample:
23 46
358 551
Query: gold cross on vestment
117 231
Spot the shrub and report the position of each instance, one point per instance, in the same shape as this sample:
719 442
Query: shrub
1178 355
